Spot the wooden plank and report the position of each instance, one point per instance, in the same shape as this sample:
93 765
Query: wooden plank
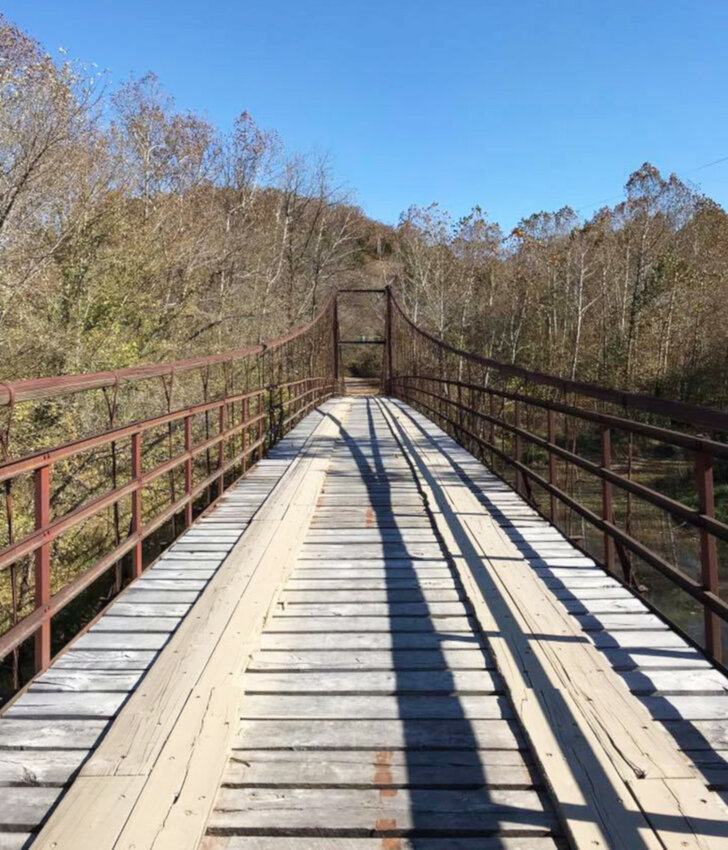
363 641
370 535
160 625
702 682
629 639
101 804
22 809
395 572
59 679
408 706
404 659
378 734
156 582
164 570
91 659
266 842
15 840
699 734
292 596
347 564
656 657
385 610
120 642
366 812
355 584
39 767
712 765
687 707
378 769
134 608
66 704
326 625
371 682
55 734
368 551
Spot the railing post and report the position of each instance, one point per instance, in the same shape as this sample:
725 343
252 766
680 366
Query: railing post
43 567
189 466
222 424
136 503
607 500
518 446
551 426
491 436
708 552
282 407
388 344
460 410
271 415
244 443
337 347
260 427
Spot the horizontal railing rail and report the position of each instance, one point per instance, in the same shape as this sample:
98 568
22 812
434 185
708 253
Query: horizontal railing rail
628 401
508 415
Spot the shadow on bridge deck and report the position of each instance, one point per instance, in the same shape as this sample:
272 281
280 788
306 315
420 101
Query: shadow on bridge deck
605 801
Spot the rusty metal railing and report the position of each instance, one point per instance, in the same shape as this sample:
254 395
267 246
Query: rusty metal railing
79 510
573 450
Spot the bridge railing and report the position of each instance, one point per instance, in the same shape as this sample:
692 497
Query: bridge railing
628 477
82 517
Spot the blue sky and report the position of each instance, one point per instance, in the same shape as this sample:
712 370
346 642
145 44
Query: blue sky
516 105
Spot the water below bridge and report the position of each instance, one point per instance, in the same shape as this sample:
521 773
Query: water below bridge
370 642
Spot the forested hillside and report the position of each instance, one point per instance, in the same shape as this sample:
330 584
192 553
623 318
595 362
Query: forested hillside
131 232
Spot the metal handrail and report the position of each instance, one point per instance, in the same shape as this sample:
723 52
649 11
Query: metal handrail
432 380
248 421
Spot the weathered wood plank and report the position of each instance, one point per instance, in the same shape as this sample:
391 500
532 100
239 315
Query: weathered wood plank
256 842
362 641
122 641
58 679
374 682
22 809
50 734
160 625
368 551
15 840
379 734
383 769
361 624
408 706
89 659
694 682
385 610
66 704
403 659
292 596
39 767
322 811
360 585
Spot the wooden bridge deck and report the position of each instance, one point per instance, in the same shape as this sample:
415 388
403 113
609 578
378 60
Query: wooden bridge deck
371 642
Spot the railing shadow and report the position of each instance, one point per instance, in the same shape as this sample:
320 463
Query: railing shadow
628 829
686 733
427 767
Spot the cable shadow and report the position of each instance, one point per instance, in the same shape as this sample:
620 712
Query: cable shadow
443 749
627 829
705 741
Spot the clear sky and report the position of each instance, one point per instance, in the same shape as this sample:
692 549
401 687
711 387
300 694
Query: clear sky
516 105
